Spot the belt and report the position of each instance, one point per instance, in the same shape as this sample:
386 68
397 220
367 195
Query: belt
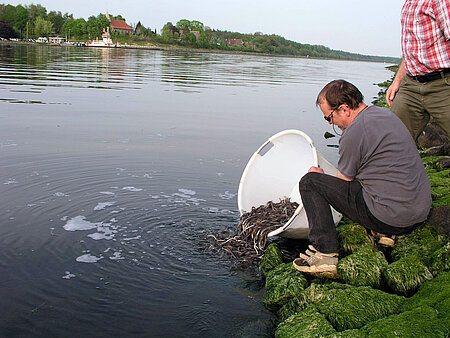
440 74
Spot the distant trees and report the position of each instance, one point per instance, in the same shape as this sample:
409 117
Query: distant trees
7 31
33 21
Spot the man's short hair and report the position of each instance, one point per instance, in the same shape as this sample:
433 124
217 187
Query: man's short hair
338 92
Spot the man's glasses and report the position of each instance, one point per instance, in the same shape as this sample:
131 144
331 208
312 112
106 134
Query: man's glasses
329 117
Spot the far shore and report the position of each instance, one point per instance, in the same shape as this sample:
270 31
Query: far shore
176 48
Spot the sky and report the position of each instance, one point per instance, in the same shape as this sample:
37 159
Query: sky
358 26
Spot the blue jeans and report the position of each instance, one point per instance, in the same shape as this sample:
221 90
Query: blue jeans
319 191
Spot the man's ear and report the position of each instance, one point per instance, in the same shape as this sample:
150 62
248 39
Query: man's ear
346 109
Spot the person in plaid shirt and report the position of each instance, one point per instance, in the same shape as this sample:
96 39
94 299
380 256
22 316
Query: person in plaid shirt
421 87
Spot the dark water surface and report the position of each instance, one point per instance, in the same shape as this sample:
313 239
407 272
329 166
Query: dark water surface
115 165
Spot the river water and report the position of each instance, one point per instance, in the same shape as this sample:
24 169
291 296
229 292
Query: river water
115 165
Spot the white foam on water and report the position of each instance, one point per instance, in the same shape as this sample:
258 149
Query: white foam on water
116 256
132 189
107 193
227 195
88 258
11 181
113 220
154 196
68 275
103 205
220 174
80 223
64 218
104 232
187 192
147 176
131 238
60 194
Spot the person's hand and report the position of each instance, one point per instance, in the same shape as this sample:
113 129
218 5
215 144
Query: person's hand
390 93
315 170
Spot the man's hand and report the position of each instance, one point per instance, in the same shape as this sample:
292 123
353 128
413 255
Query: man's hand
315 170
393 88
390 93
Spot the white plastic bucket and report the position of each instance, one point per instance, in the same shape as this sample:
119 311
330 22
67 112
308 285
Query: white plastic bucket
273 173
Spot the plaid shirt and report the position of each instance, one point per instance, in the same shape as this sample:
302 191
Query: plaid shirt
426 35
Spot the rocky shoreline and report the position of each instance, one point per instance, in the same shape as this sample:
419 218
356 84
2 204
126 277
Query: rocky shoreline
382 291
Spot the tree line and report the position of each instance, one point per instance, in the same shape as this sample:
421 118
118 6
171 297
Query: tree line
32 21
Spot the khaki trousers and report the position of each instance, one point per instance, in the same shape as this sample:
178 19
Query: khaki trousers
415 102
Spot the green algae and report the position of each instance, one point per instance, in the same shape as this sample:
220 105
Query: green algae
283 283
406 275
419 322
440 186
423 241
363 268
434 293
312 294
272 258
440 260
308 323
345 306
353 308
352 237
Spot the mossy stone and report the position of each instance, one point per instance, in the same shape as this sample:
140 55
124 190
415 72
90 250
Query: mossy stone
346 306
406 275
363 268
272 258
434 293
440 260
307 323
440 186
312 294
283 283
423 241
355 333
352 308
420 322
352 237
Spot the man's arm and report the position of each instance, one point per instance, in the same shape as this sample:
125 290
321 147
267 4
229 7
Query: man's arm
320 170
342 177
393 88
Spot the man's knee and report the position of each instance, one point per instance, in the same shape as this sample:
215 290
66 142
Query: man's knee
309 180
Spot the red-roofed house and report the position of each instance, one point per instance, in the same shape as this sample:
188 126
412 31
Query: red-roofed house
121 26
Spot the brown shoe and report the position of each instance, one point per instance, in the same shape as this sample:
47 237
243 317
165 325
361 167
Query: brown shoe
317 263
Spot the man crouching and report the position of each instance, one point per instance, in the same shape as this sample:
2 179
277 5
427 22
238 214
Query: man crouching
381 182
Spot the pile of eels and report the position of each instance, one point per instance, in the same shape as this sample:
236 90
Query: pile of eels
249 241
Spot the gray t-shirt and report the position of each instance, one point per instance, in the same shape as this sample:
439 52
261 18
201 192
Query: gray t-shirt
377 150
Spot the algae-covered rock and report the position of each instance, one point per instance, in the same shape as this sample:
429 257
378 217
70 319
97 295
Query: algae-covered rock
312 294
434 293
423 241
352 237
440 260
354 307
440 186
272 258
406 275
355 333
420 322
283 283
346 306
293 306
307 323
363 268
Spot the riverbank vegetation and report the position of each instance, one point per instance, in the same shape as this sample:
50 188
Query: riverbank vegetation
33 21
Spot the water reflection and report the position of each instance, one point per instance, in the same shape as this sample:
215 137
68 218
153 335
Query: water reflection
34 67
